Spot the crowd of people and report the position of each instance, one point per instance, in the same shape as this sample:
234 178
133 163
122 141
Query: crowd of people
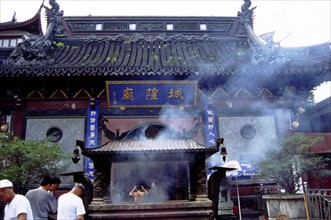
40 203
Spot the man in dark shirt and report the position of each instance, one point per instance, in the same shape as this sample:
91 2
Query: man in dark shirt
41 200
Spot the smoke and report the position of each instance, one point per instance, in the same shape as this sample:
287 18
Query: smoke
162 180
251 117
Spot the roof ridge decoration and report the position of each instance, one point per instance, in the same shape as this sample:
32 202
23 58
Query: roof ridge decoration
14 19
264 48
11 22
245 18
246 13
54 19
149 38
32 50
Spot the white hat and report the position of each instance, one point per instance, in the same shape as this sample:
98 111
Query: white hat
5 183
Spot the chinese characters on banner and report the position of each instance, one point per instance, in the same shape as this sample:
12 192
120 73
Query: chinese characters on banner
210 123
151 93
92 136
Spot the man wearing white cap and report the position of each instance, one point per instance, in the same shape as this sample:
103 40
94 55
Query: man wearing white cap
17 207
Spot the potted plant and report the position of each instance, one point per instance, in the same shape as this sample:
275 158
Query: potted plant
285 165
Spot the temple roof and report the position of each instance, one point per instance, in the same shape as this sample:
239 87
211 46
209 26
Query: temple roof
160 46
32 25
156 146
171 55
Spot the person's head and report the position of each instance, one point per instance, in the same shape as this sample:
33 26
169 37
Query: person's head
46 182
282 217
6 190
78 189
139 188
55 184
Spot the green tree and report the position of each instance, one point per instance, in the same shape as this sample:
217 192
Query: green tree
25 162
286 163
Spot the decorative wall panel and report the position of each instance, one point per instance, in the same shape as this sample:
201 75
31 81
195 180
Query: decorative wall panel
63 131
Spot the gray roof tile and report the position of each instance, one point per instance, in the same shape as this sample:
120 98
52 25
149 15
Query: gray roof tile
132 146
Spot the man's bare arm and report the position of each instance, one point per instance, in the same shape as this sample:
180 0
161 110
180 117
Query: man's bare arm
22 216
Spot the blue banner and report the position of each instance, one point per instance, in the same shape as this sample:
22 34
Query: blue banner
151 93
210 123
91 135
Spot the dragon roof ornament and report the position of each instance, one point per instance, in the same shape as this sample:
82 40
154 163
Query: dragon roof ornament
265 49
54 17
32 50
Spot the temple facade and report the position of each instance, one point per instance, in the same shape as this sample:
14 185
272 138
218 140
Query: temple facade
147 99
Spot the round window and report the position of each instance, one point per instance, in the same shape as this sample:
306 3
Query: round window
54 134
248 131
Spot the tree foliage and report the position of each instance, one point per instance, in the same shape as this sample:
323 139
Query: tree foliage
291 159
25 162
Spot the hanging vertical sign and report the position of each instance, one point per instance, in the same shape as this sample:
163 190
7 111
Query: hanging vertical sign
92 135
210 123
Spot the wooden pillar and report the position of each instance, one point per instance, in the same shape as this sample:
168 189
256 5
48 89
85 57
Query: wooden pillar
198 178
201 177
19 123
192 181
101 179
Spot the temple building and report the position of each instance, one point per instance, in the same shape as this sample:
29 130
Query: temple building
156 101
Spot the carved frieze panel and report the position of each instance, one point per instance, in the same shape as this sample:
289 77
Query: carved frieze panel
115 27
151 27
219 26
82 27
186 26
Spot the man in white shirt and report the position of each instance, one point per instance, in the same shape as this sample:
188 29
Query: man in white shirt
70 205
17 207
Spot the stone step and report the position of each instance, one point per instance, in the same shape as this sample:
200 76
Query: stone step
201 214
177 210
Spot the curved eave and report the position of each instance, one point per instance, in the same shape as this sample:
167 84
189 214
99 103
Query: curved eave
32 25
111 71
107 57
320 51
149 146
309 69
173 57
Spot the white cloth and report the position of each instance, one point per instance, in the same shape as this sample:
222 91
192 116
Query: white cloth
20 204
69 207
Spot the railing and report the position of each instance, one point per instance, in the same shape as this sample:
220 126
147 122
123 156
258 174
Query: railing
319 203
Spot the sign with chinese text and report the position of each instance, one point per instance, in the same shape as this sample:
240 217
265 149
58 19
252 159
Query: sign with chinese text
91 136
210 123
151 93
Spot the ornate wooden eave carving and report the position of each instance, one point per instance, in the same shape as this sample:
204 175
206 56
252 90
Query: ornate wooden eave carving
35 94
242 93
82 93
58 94
265 93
